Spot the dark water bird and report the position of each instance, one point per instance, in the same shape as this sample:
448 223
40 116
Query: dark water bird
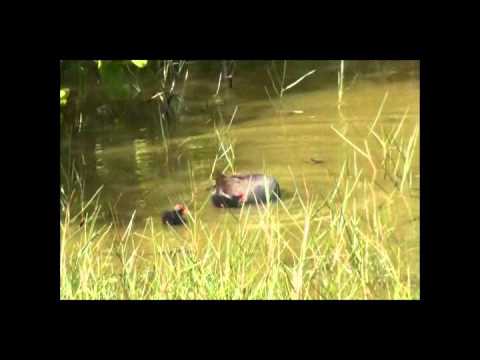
175 216
236 190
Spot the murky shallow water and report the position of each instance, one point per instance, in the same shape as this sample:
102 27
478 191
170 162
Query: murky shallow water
140 173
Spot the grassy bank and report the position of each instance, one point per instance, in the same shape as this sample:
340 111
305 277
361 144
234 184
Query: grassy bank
340 245
357 238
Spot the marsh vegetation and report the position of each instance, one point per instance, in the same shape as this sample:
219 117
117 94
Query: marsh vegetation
341 138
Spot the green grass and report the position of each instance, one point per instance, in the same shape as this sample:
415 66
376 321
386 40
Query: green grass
225 156
336 246
279 86
344 244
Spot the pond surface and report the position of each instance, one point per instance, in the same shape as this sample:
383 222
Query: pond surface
289 138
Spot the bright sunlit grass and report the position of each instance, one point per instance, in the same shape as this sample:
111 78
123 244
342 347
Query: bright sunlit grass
307 247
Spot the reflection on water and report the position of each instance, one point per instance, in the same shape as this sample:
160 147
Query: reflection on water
127 153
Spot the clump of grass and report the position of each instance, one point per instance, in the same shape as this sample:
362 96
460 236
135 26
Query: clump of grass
280 87
225 156
307 247
169 100
397 153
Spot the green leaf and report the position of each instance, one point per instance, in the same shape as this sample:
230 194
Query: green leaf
114 77
140 63
64 96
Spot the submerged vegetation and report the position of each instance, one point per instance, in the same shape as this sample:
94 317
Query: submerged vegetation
339 242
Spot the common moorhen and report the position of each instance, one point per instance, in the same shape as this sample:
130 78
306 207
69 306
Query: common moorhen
236 190
175 217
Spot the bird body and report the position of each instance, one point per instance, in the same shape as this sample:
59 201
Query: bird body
236 190
175 216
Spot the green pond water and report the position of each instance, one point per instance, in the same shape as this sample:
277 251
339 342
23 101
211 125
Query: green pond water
126 153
